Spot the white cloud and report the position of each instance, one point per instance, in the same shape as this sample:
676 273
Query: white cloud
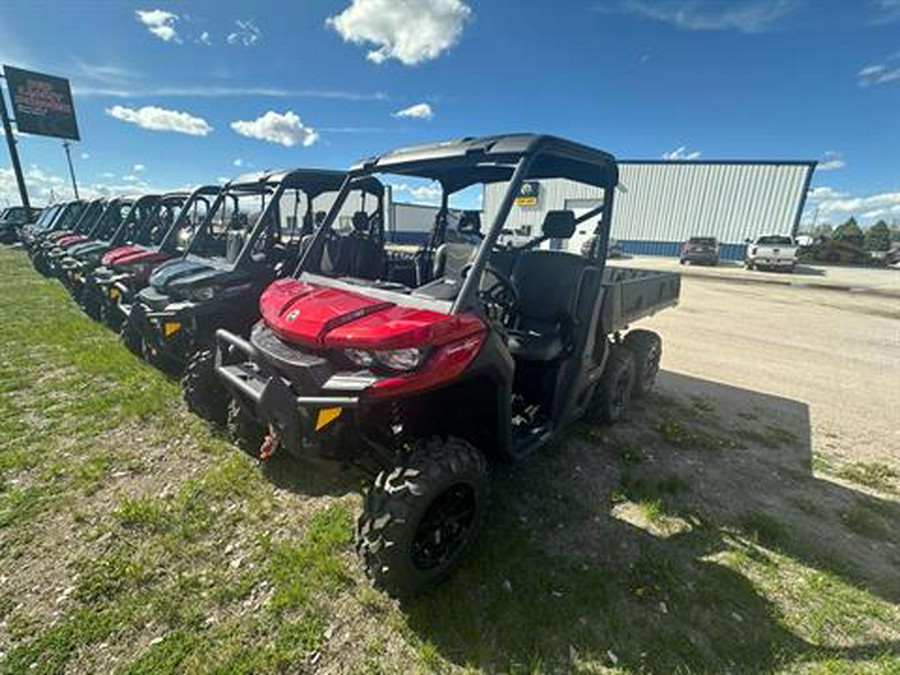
837 206
238 162
411 31
886 11
108 174
421 111
85 155
830 161
286 129
824 192
247 34
222 180
204 38
428 194
139 167
130 178
161 119
880 73
160 23
681 153
747 16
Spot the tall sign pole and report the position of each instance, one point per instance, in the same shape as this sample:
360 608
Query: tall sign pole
71 170
13 153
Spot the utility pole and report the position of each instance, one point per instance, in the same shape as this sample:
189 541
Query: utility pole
71 170
13 153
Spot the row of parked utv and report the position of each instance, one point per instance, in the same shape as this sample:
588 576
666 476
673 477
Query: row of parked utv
291 320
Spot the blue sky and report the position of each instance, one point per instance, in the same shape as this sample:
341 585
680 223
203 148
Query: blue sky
226 87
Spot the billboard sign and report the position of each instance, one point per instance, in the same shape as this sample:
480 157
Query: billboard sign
42 104
528 193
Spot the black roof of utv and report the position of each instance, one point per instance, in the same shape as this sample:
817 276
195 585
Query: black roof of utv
312 181
459 163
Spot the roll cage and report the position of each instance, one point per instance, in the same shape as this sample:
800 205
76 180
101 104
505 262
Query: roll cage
271 187
514 158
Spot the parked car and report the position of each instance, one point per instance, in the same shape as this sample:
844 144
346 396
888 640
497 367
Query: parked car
614 250
423 383
700 250
771 251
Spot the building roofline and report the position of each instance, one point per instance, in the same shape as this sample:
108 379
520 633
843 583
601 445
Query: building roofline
734 162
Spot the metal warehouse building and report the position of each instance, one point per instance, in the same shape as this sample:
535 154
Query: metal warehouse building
659 204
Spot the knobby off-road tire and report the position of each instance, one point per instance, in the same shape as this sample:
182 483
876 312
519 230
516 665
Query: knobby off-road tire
110 315
613 396
130 336
420 518
646 348
90 303
202 391
245 432
42 265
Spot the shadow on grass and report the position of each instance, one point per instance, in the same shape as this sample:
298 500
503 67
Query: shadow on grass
557 578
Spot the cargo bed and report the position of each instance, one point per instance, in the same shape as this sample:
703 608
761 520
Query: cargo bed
631 294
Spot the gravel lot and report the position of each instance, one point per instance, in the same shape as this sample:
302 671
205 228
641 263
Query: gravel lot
857 279
838 352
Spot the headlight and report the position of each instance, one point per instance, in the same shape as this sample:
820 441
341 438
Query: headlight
401 360
360 357
202 294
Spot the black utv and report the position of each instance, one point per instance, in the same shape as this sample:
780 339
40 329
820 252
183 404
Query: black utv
426 383
49 249
254 234
120 222
126 270
61 219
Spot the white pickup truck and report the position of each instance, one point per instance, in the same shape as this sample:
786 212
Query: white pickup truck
771 251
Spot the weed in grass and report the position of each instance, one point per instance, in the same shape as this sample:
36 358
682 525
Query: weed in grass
863 521
685 437
763 528
142 513
876 475
768 436
701 404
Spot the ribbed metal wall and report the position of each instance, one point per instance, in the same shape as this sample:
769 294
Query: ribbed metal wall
660 204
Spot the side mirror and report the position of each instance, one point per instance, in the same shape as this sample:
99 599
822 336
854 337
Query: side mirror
746 241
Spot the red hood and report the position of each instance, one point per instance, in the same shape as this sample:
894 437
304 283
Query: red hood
129 255
70 239
322 316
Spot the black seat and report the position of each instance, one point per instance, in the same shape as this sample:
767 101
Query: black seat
548 283
356 254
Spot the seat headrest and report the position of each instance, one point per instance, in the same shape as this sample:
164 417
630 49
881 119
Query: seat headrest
559 224
360 221
470 222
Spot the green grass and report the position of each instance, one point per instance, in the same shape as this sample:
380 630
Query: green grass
135 539
877 475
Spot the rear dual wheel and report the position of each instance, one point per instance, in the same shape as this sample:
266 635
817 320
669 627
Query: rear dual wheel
613 395
646 348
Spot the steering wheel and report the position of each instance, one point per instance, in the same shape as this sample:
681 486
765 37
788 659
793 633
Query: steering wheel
501 299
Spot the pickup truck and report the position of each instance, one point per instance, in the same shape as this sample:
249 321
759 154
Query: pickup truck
771 251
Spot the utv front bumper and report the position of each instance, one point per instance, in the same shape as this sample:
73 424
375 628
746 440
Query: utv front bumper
312 421
166 332
113 289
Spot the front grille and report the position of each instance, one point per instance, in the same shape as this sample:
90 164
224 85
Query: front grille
153 298
306 370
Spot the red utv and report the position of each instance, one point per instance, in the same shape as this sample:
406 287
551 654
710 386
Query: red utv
125 270
485 354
